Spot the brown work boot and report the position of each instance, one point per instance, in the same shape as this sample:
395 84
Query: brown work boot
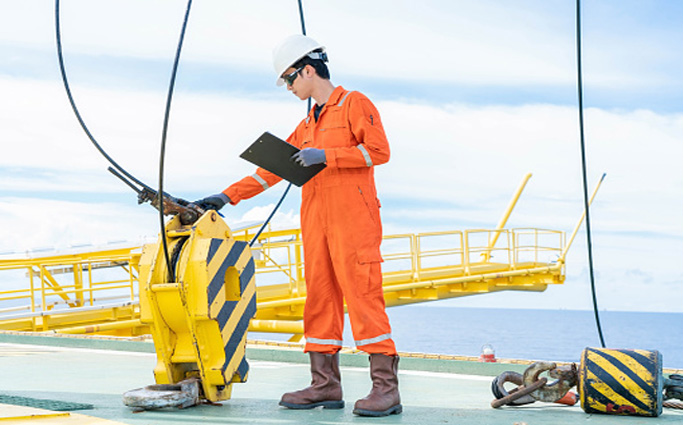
325 389
384 398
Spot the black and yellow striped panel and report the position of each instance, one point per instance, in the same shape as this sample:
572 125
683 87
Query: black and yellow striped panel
621 382
231 294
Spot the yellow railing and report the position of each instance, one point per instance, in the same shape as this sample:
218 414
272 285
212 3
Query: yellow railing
101 287
538 248
278 257
419 267
83 294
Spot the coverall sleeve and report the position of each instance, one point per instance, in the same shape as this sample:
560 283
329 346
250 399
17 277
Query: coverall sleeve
259 181
365 125
251 185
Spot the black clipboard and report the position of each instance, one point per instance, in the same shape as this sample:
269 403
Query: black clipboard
273 154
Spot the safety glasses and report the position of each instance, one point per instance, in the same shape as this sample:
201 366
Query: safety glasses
291 77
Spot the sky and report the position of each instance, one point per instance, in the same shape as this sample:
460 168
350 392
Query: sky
473 96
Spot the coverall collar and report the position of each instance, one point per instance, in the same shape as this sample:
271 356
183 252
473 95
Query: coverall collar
334 98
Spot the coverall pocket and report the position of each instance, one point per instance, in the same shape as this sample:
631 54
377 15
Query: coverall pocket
368 229
369 275
334 137
369 257
372 204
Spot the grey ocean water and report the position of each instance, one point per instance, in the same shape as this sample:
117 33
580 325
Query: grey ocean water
555 335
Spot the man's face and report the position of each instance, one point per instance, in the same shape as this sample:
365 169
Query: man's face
295 82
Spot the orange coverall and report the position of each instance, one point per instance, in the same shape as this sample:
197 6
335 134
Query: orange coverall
340 221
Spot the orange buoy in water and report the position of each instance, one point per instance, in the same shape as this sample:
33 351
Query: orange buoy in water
487 354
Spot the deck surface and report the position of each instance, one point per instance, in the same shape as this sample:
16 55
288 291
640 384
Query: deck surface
35 368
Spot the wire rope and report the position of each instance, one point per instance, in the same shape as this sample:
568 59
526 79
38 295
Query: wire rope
97 145
65 81
162 152
584 173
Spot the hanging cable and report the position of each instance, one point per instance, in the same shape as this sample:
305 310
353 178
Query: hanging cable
301 20
301 17
62 69
162 152
584 172
161 192
308 109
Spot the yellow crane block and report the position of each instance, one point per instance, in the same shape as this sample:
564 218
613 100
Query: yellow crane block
199 321
621 382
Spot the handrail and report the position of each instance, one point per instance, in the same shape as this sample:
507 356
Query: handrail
71 310
454 269
507 214
581 220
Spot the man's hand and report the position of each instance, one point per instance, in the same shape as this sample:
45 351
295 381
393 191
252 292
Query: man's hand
309 156
213 202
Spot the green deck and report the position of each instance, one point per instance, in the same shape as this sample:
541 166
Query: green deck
98 372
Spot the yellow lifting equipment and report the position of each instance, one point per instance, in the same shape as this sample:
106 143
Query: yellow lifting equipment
612 381
199 321
621 382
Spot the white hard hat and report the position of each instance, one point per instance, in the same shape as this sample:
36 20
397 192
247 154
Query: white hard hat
291 50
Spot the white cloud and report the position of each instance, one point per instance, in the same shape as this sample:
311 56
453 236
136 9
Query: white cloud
451 166
45 134
57 225
485 42
281 219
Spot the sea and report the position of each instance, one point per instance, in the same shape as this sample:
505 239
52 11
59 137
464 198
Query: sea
552 335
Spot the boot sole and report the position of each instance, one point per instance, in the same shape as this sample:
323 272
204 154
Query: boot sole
394 410
328 404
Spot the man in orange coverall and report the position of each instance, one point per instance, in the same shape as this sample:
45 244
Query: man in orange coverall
341 229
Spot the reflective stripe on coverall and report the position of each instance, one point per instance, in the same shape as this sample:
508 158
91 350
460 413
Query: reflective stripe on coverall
340 221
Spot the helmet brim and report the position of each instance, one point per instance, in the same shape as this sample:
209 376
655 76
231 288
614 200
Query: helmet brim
279 80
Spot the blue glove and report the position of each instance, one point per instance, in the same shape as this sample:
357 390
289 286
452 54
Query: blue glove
213 202
309 156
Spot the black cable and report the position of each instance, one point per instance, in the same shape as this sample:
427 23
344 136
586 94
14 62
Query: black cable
62 69
282 198
584 173
163 142
73 103
308 109
301 16
301 20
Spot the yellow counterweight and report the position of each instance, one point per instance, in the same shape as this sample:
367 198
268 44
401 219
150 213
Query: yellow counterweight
199 321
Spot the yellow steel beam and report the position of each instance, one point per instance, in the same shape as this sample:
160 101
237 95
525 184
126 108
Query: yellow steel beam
486 255
419 267
280 326
46 276
277 326
100 327
579 222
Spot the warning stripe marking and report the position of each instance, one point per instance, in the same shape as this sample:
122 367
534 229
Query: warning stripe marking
213 246
230 327
236 360
239 335
242 264
213 267
618 382
232 316
220 308
601 394
217 269
622 376
247 272
637 365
